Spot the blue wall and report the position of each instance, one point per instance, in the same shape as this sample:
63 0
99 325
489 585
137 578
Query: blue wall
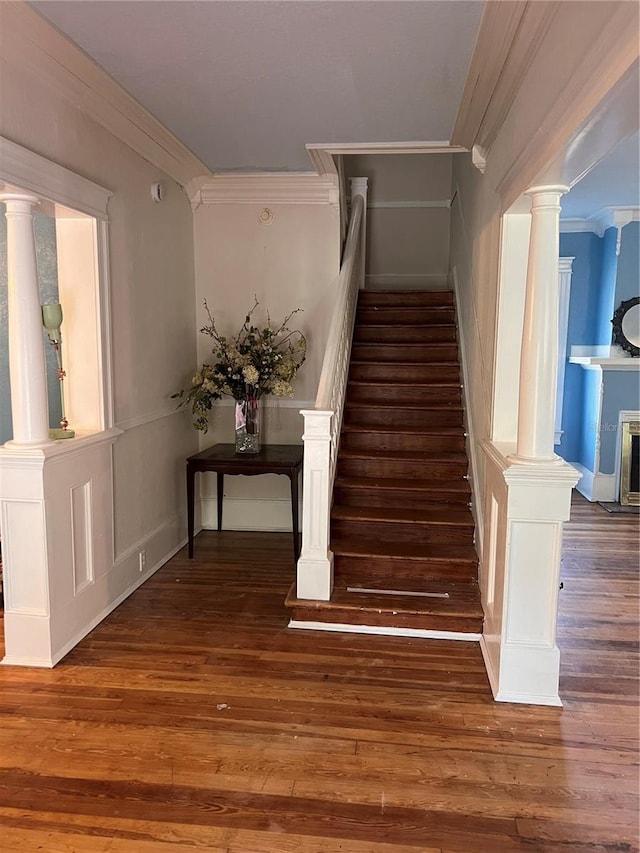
627 282
607 287
46 258
600 281
584 303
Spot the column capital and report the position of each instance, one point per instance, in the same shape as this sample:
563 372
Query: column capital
25 198
555 189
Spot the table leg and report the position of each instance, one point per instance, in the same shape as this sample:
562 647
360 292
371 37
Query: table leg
220 498
190 507
294 512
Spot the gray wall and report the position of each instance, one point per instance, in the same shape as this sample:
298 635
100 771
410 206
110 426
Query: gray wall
408 217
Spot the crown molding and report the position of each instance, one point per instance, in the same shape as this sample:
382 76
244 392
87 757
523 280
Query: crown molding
498 28
30 42
616 217
575 225
532 28
323 160
264 188
599 222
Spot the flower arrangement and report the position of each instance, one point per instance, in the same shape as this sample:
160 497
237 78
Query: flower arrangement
254 362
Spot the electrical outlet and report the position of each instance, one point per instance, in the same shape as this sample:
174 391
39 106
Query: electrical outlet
142 559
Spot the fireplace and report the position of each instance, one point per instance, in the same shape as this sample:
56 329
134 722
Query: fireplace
630 464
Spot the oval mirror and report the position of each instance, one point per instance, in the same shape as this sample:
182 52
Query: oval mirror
626 326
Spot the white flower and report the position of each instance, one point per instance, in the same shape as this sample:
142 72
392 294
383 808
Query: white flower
282 389
251 375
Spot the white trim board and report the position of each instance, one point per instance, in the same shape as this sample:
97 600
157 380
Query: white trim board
402 205
477 500
417 147
264 188
25 170
416 633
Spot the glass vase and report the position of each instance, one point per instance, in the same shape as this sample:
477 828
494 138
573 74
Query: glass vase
248 425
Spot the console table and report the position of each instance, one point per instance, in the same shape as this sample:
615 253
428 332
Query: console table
222 458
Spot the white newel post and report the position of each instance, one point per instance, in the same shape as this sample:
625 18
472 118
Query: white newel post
539 359
528 495
30 414
315 566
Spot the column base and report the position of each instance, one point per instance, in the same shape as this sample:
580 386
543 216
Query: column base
554 459
315 578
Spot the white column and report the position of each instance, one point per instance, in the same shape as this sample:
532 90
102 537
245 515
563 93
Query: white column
539 358
27 370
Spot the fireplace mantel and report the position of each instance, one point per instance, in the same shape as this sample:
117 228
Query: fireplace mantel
606 363
603 358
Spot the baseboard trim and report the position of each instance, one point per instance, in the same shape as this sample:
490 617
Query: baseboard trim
528 699
41 663
118 601
477 508
596 487
416 633
246 514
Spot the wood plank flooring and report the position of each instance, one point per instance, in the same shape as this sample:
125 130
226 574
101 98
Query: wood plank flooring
193 719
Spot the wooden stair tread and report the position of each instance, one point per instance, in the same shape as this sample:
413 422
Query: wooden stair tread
417 515
457 486
457 605
389 325
390 429
420 364
421 456
405 297
392 383
410 345
382 515
432 405
357 547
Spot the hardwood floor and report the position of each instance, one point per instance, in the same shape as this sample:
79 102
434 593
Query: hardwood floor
192 718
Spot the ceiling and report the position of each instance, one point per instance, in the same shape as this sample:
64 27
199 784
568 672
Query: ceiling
613 182
245 84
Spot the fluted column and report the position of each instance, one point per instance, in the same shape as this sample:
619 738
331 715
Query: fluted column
27 370
539 358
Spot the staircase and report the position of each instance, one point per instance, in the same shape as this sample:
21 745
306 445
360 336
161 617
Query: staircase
401 527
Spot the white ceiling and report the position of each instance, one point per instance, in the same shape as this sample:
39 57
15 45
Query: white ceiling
245 84
613 182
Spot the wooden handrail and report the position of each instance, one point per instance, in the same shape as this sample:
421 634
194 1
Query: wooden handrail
346 288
